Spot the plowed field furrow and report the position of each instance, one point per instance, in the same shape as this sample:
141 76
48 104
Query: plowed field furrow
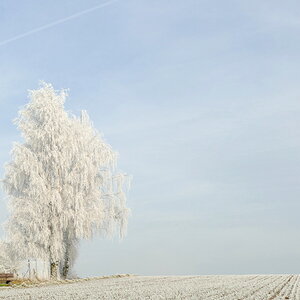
235 289
212 291
286 290
295 288
252 287
255 290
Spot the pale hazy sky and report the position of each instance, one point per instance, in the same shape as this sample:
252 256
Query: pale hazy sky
201 98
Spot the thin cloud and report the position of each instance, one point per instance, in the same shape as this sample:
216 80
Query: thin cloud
55 23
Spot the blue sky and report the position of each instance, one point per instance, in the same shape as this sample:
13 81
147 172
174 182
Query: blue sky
201 100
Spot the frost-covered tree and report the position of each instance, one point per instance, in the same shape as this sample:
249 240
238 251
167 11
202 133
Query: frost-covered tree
61 183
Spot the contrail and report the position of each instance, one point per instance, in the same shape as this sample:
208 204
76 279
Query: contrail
41 28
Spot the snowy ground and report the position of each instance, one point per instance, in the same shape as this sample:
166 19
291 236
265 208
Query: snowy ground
254 287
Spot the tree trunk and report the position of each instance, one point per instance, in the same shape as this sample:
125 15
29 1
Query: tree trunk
66 263
54 274
66 266
69 255
64 270
54 270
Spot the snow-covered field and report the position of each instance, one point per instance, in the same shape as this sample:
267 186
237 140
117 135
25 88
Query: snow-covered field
239 287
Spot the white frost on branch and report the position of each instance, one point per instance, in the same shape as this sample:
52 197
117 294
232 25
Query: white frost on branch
8 259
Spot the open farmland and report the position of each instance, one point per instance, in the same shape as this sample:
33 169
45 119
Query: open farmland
254 287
